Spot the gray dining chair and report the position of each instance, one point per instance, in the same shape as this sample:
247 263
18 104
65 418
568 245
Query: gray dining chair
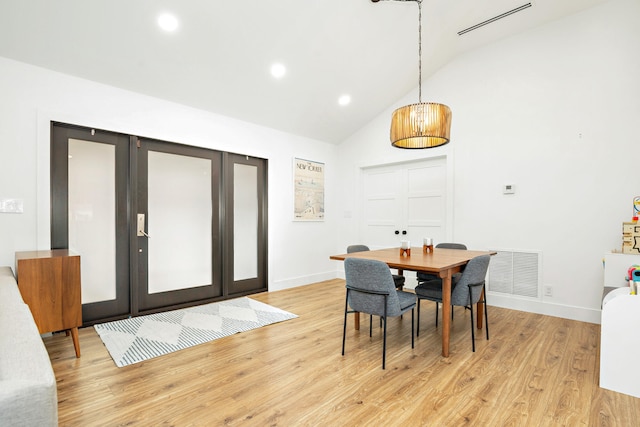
398 279
426 277
371 290
465 293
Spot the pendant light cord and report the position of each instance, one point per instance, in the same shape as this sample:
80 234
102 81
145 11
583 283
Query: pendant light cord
419 44
419 51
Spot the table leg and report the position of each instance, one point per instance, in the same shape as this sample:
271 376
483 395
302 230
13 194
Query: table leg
76 341
446 311
480 310
357 322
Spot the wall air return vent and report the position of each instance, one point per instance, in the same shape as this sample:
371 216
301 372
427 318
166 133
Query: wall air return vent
495 18
515 273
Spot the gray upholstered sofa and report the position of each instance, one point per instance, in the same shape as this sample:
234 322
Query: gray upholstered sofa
28 395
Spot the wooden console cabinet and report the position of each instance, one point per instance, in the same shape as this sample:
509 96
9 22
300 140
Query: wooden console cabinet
49 282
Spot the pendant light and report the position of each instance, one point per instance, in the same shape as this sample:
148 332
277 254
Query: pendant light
421 125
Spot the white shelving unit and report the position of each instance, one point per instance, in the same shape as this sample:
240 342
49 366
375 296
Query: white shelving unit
620 329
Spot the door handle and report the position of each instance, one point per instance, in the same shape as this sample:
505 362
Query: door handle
397 232
141 232
404 232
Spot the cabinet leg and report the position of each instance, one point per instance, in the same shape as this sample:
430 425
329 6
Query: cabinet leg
76 341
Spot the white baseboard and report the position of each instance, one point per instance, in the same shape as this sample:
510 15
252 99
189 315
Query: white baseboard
294 282
549 309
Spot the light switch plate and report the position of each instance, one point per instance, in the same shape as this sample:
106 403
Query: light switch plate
11 205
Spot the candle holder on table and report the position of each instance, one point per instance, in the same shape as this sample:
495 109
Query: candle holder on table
427 245
405 248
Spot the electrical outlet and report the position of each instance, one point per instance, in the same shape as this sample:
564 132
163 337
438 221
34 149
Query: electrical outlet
548 291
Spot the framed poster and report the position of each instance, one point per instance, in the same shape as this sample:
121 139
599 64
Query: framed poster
308 190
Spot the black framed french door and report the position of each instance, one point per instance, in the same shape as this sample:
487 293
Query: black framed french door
90 214
177 216
246 225
157 224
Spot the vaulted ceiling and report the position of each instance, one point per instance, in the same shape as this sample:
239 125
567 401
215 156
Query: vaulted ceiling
219 57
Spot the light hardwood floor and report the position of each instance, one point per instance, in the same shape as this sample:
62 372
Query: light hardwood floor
534 371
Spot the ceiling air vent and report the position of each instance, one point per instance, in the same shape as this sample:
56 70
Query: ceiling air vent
495 18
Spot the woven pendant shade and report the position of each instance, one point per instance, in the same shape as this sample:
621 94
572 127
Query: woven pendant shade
423 125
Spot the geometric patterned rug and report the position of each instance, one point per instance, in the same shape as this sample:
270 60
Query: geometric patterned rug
141 338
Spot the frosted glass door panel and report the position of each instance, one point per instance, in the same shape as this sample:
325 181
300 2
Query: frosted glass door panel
179 222
92 221
245 221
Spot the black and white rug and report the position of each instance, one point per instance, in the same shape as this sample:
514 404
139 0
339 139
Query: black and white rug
136 339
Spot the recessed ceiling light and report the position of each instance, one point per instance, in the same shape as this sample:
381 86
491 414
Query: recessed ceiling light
168 22
278 70
344 100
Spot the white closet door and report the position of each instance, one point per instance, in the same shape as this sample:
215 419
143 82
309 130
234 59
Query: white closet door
404 202
382 206
425 201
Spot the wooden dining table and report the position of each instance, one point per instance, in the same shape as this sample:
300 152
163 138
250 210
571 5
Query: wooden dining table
442 262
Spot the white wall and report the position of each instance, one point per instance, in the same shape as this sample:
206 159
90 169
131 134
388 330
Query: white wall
31 97
553 111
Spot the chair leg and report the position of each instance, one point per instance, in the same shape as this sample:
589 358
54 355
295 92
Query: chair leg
384 334
384 342
418 327
344 329
437 308
486 316
412 340
473 335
